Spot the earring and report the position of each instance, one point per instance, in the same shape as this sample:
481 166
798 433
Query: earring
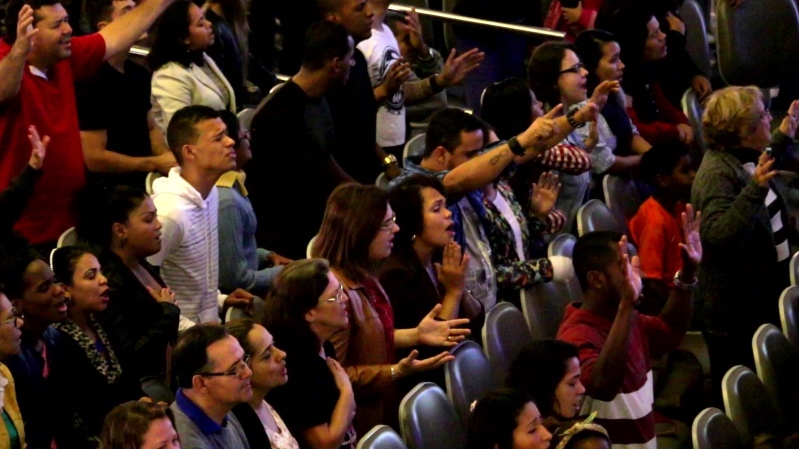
413 238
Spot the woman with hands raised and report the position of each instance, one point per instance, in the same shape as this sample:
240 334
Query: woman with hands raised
357 232
426 267
746 230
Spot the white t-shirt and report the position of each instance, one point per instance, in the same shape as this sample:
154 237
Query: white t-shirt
381 51
510 217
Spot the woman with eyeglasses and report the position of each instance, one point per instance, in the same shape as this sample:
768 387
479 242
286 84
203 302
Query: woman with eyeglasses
306 306
241 263
261 423
12 431
92 383
557 73
357 233
643 46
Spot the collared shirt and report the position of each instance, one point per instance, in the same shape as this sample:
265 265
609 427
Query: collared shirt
203 422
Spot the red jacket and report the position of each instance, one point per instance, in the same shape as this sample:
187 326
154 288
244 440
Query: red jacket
663 130
555 20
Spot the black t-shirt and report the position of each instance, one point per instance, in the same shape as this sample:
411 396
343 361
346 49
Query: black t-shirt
354 111
310 396
289 177
117 103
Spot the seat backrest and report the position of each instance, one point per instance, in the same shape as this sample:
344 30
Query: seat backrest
505 333
712 429
747 403
696 44
789 314
693 110
468 378
621 197
428 420
381 437
562 245
543 307
309 248
595 216
67 238
156 389
414 147
382 181
756 42
245 118
776 363
150 179
794 266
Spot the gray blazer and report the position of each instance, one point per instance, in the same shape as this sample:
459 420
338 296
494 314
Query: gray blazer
739 279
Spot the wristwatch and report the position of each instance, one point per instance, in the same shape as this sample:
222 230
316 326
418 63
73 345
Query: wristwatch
678 284
515 147
388 160
570 118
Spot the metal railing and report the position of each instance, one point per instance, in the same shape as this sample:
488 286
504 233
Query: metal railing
472 21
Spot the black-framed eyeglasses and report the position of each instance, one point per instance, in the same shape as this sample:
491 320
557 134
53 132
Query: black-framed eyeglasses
237 370
573 69
340 295
15 319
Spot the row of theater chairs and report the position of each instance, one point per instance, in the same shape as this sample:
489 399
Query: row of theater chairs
756 404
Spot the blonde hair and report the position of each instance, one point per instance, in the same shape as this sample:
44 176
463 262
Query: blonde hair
730 115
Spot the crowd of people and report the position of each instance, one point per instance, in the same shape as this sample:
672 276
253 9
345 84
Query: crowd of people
264 291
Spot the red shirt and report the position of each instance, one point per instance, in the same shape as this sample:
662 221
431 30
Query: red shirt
629 418
48 104
657 234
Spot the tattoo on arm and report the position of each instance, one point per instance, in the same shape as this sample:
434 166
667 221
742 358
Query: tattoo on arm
494 160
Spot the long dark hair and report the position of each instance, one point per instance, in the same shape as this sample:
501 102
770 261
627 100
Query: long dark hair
494 418
170 33
507 107
353 217
126 425
295 292
538 369
99 209
407 202
589 46
544 70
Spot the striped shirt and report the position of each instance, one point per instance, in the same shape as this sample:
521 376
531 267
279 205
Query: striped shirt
628 417
775 207
189 256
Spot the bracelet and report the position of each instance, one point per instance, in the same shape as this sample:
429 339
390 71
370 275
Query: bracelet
393 374
434 85
572 122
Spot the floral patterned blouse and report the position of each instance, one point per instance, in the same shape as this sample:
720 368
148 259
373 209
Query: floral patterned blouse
281 439
512 273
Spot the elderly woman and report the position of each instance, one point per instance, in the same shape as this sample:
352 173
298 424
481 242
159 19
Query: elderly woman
745 227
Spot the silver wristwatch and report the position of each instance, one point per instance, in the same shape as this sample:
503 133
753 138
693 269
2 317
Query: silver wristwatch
682 285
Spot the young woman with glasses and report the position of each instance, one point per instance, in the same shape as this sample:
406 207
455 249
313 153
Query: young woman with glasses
357 233
92 383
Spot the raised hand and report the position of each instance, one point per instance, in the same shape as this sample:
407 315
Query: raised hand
241 299
601 92
692 248
411 365
396 75
788 125
686 133
451 272
413 27
587 113
593 137
25 32
631 284
763 171
432 332
545 195
675 24
39 148
456 68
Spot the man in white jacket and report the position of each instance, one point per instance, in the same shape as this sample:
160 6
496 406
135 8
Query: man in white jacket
187 204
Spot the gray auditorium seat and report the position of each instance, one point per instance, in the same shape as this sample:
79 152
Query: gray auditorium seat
505 333
429 421
468 378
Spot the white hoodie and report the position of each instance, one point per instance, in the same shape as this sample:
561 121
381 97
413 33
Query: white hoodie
189 256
